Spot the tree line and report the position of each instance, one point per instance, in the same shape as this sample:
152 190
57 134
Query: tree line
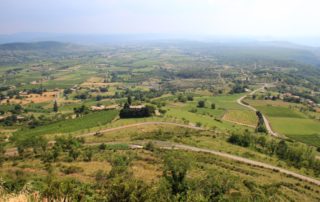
295 154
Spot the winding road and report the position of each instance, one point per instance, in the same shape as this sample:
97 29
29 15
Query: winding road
266 122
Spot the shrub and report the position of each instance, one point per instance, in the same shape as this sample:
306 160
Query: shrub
201 104
71 169
150 146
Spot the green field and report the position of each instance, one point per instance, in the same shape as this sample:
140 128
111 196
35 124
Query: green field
224 101
71 125
277 111
209 117
304 130
242 116
290 122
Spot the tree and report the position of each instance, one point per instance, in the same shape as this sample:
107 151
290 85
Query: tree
17 109
176 167
55 106
261 128
74 153
213 106
150 146
81 110
201 104
127 112
216 187
87 155
238 89
120 165
98 98
37 143
190 98
254 97
129 100
2 154
282 149
102 146
126 106
182 98
124 188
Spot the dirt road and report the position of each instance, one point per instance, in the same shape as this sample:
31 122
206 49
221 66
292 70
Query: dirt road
143 124
13 151
267 123
239 159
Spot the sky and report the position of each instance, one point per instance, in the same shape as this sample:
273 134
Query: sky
274 18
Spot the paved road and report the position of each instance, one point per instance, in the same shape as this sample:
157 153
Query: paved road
267 123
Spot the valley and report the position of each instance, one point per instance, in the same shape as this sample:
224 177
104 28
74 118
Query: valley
104 122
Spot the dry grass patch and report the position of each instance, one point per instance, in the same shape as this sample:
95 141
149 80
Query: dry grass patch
145 171
90 168
34 98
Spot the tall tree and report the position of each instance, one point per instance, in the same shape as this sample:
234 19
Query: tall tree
129 100
55 106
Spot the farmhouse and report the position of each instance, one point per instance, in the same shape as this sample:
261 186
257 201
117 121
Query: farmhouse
97 108
137 106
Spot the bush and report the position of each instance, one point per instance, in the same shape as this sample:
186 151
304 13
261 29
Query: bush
150 146
102 146
71 169
87 155
182 98
201 104
193 110
190 98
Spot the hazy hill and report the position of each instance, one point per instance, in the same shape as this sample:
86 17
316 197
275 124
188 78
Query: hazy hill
37 46
15 53
236 53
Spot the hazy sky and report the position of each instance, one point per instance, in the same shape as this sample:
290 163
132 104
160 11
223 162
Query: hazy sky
205 17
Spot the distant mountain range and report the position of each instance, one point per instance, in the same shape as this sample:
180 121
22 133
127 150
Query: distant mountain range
126 38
